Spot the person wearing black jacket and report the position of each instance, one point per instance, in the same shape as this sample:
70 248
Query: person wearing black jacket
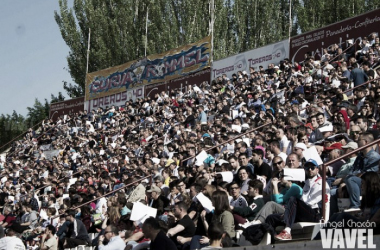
159 241
158 201
77 233
190 119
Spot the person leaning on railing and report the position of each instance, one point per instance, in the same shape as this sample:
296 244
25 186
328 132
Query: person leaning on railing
367 161
369 212
115 144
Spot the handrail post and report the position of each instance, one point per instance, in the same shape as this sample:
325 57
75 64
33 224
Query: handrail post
323 192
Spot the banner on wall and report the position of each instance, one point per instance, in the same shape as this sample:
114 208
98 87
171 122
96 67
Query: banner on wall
352 29
153 89
182 83
66 107
156 68
195 79
117 99
263 56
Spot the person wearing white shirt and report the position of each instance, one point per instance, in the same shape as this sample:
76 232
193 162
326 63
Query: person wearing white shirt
114 240
102 202
305 209
284 142
11 241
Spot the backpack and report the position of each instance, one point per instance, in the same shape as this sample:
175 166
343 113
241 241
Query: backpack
256 233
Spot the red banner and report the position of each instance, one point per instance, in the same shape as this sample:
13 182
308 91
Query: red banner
338 33
66 107
153 89
180 84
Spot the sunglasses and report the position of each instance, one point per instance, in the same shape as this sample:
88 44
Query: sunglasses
312 168
277 163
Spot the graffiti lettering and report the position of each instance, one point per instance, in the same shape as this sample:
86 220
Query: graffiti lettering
151 70
189 60
176 63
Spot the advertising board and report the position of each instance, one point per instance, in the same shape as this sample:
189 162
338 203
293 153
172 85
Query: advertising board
182 83
340 33
263 56
117 99
66 107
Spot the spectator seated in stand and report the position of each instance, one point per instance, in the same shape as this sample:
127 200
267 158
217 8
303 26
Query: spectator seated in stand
72 161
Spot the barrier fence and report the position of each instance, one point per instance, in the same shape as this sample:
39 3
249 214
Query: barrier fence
111 192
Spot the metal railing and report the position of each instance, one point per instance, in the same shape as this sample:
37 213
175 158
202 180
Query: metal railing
224 142
269 123
25 132
300 109
20 135
349 47
232 139
60 179
111 192
335 160
322 167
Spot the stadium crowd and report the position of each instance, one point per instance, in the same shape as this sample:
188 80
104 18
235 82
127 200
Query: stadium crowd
291 114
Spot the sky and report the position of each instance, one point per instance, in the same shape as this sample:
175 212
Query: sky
32 54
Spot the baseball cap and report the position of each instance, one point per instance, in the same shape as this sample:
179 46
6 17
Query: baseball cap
336 145
352 145
300 145
308 125
154 189
311 162
168 162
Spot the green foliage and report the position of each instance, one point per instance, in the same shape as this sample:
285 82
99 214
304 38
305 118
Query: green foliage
37 113
59 98
10 127
13 126
118 27
313 14
118 33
